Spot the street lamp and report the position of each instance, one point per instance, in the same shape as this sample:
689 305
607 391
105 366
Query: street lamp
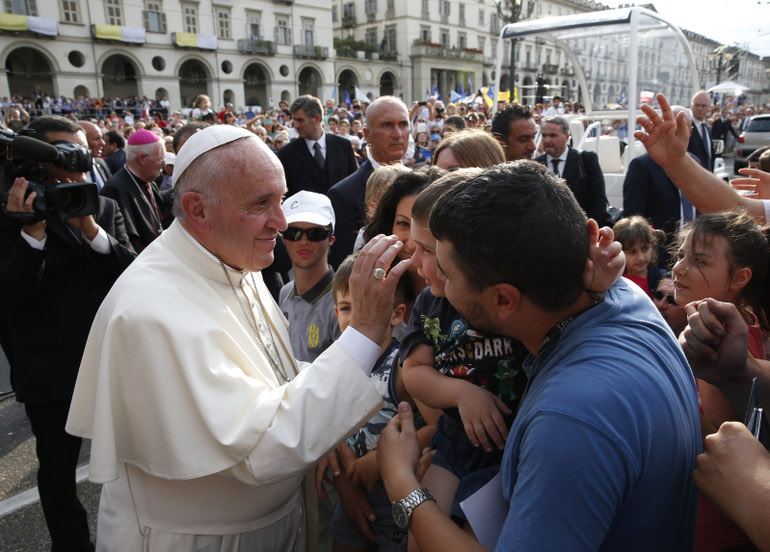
513 12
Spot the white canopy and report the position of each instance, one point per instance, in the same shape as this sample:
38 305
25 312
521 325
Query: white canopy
727 87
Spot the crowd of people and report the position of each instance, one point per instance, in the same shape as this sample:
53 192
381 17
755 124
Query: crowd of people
322 326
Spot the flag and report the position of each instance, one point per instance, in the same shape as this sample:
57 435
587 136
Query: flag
436 93
360 96
504 96
490 96
427 93
454 96
347 98
470 83
622 99
646 96
334 95
460 89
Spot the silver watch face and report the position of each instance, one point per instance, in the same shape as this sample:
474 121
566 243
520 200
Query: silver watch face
400 514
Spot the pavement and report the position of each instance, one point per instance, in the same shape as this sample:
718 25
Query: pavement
22 526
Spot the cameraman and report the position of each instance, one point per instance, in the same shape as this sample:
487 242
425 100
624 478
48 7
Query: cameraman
53 276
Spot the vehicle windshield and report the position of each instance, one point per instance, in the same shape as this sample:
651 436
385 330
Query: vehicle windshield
759 125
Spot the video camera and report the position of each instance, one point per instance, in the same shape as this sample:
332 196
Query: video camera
21 156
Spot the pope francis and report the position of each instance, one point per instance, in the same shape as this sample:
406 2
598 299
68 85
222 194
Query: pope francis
203 423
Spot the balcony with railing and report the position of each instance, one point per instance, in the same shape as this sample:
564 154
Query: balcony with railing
437 50
550 68
312 52
254 46
348 21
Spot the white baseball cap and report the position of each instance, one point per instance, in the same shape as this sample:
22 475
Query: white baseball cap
309 207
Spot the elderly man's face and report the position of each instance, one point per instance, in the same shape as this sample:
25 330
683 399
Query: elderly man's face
245 223
700 106
387 130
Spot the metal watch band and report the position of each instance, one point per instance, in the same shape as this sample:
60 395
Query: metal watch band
410 502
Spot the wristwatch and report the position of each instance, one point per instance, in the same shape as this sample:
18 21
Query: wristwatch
402 509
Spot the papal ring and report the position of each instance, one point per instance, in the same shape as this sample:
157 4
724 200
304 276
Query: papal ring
379 273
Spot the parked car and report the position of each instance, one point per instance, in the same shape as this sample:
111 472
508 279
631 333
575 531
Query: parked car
756 135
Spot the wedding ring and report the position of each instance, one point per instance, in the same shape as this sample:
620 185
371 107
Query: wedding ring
379 273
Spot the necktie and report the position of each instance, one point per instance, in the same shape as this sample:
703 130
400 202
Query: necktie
705 136
98 180
318 156
688 210
555 163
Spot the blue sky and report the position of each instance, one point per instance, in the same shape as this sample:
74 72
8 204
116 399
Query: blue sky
742 22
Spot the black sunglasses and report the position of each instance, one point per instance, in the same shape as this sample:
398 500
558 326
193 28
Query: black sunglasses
658 295
293 233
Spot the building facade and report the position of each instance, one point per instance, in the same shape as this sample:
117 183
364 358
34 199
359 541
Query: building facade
255 54
268 50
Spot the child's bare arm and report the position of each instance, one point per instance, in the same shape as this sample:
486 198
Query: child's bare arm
480 411
365 471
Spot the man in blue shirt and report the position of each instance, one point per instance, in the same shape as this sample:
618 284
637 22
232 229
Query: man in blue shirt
601 453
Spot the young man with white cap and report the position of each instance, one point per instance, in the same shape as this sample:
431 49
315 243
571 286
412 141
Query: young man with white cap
202 421
307 301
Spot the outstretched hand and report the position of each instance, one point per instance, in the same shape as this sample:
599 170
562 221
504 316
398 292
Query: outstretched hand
398 451
755 181
664 136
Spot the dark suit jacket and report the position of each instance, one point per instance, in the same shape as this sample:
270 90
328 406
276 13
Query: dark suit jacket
142 223
116 161
303 173
721 128
589 191
50 298
697 148
104 171
347 198
648 191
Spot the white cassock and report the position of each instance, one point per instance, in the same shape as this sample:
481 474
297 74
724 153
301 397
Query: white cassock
199 445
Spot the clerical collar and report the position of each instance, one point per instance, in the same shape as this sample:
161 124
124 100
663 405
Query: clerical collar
134 175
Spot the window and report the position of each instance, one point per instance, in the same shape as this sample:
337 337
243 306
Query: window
482 41
307 32
282 31
425 34
114 12
443 8
461 14
462 41
371 36
334 14
253 25
370 6
190 18
154 18
223 22
425 6
70 12
444 33
21 7
390 39
481 17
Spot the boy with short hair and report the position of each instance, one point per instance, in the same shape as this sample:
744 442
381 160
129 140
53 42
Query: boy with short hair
359 454
307 301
